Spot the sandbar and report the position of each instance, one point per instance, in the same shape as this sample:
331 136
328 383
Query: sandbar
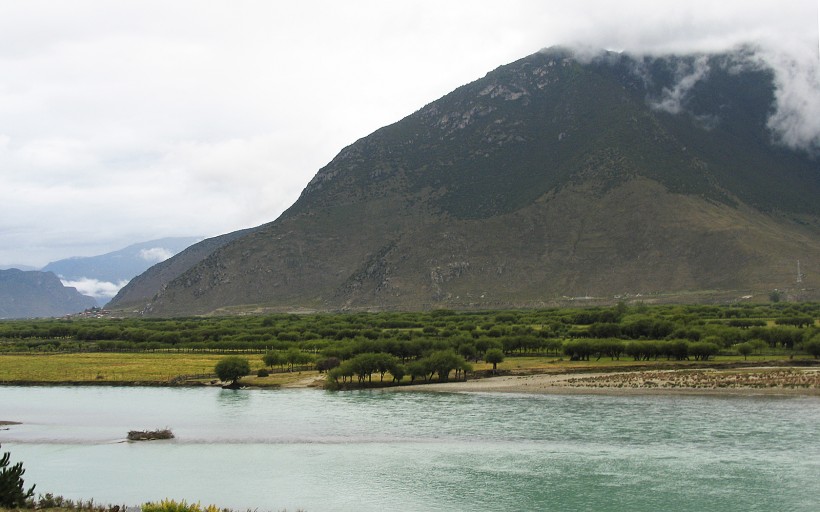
746 381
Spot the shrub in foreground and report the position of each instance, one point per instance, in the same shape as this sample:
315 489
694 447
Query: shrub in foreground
12 493
174 506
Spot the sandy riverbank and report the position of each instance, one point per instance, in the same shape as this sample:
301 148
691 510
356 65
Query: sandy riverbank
747 381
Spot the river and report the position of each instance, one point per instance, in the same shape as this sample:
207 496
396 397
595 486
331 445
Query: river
322 451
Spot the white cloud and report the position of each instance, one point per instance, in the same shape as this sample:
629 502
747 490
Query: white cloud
671 99
155 254
95 288
134 120
796 122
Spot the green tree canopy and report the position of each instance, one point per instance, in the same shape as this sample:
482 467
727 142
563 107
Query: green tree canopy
232 368
494 356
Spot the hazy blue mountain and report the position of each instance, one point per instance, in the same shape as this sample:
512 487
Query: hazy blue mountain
102 276
29 294
18 267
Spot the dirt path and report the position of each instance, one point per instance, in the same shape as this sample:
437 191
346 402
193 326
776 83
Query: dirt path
311 381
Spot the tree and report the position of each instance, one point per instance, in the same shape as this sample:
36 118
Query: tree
417 369
812 347
398 372
494 356
443 362
744 349
12 494
703 350
327 364
295 357
578 350
273 358
467 350
232 368
798 321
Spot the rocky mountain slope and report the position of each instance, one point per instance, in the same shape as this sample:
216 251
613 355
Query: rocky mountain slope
30 294
139 292
550 178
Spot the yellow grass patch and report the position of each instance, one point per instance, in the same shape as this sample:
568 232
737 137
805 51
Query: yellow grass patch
108 367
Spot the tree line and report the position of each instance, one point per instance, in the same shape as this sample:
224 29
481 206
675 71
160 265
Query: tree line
413 335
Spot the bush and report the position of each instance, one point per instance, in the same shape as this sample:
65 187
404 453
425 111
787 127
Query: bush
12 494
173 506
262 372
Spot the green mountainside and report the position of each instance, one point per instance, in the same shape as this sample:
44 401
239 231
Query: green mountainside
550 178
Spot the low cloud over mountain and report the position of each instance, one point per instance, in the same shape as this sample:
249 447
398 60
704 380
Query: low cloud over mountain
103 276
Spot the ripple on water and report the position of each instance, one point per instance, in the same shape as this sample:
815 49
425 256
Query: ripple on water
361 450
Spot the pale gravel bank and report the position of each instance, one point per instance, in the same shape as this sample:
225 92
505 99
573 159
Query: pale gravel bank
748 381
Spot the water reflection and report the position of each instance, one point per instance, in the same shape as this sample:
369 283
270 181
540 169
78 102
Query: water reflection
233 398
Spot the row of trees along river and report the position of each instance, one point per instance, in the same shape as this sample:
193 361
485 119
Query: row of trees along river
425 344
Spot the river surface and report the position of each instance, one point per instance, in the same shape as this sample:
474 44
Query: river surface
364 451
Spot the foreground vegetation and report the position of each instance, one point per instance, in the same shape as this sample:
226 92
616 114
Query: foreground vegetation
400 347
15 496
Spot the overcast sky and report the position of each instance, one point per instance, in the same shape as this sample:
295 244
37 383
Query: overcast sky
126 121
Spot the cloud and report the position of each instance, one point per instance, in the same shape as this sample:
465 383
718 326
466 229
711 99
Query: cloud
155 254
100 290
796 121
671 99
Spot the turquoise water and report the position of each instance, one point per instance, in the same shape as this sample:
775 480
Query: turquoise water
322 451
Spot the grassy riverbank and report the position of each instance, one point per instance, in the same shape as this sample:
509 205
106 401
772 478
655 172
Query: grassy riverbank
197 369
417 346
124 369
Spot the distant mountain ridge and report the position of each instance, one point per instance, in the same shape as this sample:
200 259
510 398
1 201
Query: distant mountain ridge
140 291
122 264
103 275
550 178
28 294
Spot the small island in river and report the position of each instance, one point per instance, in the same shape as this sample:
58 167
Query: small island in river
150 435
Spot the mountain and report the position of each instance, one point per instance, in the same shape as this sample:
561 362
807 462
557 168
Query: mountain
102 276
550 178
138 292
18 267
38 294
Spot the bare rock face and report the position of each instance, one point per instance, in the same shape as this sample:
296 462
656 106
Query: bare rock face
549 179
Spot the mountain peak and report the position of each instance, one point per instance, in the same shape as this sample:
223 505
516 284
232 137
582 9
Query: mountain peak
551 176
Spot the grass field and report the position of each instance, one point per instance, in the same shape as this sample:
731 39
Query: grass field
162 368
108 368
